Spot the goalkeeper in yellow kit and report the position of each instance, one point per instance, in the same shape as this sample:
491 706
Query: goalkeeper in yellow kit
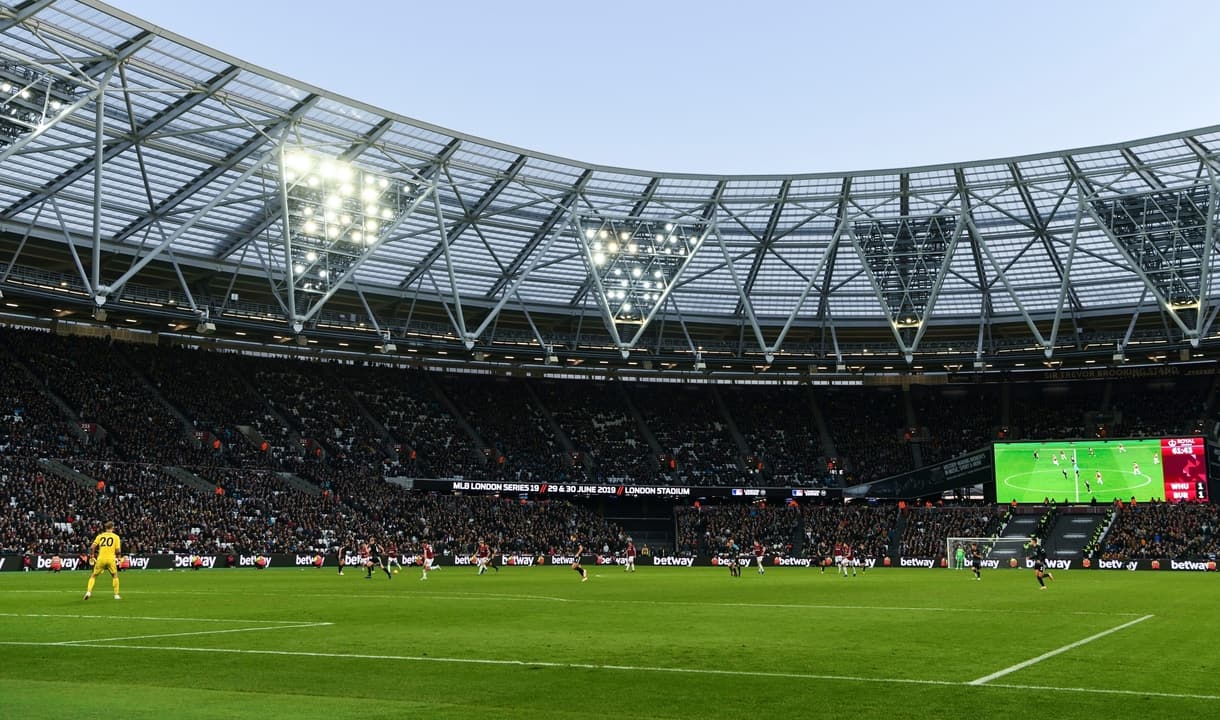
104 552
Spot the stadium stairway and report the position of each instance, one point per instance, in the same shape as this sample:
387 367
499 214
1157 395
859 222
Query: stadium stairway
1022 525
477 443
557 429
59 402
58 469
299 483
383 434
743 448
636 415
189 478
819 422
1073 529
188 427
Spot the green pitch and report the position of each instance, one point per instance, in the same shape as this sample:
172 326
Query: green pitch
1021 477
662 643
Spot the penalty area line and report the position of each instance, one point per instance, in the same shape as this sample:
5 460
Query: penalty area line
1057 651
196 632
637 668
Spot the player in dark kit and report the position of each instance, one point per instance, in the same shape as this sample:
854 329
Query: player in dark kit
342 557
976 561
734 552
1038 552
374 561
584 574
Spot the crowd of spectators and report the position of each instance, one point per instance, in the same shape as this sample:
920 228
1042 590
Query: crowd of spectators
778 426
868 426
926 528
1160 531
597 422
697 446
431 443
369 421
96 382
955 419
791 529
520 445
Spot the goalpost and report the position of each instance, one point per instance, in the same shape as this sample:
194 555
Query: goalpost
995 548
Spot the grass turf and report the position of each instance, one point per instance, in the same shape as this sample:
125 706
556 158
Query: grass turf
662 643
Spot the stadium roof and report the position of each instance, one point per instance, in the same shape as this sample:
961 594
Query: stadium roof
1041 254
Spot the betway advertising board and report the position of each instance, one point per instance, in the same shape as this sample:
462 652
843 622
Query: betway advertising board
43 563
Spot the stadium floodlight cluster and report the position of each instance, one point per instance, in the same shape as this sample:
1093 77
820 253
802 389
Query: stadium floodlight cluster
335 212
634 264
29 99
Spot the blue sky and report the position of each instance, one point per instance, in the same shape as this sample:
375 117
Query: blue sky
734 87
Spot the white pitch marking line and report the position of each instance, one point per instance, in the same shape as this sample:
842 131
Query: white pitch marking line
634 668
547 598
146 617
197 632
1058 651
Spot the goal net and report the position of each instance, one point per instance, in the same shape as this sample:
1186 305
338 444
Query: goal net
993 548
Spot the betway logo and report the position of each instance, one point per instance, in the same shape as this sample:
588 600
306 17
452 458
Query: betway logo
67 563
915 562
1186 565
793 562
304 560
137 563
678 561
184 561
1116 565
1052 564
521 560
250 560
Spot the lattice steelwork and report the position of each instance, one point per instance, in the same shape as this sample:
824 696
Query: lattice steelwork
158 184
634 264
905 258
1165 234
336 213
30 99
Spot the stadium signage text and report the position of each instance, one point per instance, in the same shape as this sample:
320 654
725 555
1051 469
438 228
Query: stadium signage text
44 563
674 561
185 561
14 563
1052 564
1117 565
1187 565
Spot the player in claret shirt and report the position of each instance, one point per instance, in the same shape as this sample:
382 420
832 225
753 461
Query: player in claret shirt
482 556
428 558
630 553
759 552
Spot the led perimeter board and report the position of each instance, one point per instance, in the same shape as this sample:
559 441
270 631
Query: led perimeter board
1079 471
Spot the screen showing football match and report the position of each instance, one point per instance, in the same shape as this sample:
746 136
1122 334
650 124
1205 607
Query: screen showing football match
1079 471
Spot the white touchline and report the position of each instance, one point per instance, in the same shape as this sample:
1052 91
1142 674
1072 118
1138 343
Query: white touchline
629 668
546 598
1057 651
197 632
109 618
